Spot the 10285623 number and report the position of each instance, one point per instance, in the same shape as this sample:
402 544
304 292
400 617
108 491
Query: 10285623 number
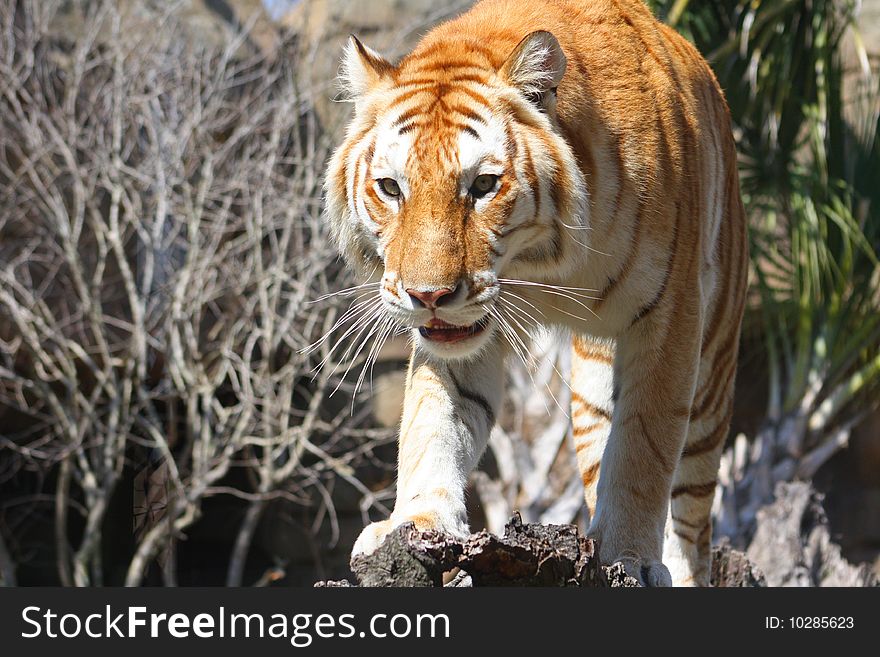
821 622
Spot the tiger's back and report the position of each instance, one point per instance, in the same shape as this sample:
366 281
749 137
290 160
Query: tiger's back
646 119
622 184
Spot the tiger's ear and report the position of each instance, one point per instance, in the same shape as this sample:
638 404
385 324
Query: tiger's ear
536 66
362 68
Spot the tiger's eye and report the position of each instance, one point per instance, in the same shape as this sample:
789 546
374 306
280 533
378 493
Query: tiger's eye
483 185
390 187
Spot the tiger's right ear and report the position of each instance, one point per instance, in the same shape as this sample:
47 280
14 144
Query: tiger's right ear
362 68
536 66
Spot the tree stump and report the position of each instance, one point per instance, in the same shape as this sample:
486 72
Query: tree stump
525 555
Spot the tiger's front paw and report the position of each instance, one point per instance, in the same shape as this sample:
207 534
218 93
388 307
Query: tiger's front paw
443 521
371 537
634 553
646 573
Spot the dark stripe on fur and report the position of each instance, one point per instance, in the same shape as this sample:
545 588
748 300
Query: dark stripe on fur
474 398
695 490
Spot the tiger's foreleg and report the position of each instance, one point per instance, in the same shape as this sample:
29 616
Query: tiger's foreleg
449 411
656 367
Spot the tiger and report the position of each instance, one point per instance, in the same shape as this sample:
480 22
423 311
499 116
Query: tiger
562 165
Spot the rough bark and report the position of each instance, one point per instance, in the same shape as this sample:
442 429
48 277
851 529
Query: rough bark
732 569
792 543
525 555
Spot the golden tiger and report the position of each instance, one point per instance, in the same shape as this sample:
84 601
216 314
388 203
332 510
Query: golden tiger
554 163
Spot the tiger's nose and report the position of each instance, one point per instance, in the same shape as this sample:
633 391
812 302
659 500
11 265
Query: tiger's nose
430 298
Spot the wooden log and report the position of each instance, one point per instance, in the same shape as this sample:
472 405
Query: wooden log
525 555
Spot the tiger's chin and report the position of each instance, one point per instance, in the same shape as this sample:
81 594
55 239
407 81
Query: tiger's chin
450 341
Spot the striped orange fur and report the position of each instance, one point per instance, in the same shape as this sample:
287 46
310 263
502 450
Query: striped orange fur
562 163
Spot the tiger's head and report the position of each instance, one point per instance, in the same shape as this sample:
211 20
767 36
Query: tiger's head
454 176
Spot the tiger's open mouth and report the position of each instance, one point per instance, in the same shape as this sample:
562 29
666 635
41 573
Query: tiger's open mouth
439 331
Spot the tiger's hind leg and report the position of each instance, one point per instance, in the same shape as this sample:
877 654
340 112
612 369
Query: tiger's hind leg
688 534
592 381
688 531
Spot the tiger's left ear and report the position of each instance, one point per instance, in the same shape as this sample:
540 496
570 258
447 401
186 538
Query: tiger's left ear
536 66
362 68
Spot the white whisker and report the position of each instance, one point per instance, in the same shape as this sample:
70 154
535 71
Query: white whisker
345 292
373 328
364 316
517 345
357 307
588 247
514 281
558 309
553 365
524 300
385 328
